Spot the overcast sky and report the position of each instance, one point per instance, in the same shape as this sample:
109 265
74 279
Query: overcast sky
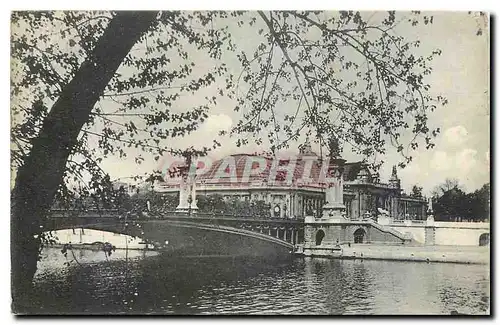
461 74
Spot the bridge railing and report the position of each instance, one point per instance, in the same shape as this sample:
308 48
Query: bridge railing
159 215
217 215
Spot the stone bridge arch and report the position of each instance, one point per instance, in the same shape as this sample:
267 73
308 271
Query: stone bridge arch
320 235
484 239
93 237
357 231
359 236
185 237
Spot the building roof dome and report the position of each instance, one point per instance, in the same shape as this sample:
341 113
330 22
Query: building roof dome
246 169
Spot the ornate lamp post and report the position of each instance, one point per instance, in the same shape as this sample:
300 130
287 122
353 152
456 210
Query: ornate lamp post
430 214
334 205
187 194
285 209
189 200
183 189
148 203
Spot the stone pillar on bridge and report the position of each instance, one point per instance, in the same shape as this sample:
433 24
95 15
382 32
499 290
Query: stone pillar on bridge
194 202
183 195
334 208
323 234
430 229
187 189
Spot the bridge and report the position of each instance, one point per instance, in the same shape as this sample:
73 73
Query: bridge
187 233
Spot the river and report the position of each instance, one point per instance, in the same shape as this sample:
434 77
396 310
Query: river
137 282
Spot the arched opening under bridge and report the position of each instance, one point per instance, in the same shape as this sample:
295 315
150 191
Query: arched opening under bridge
359 236
320 234
484 239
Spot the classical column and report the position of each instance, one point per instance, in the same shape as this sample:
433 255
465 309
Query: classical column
394 207
430 214
187 187
340 190
288 205
430 230
183 195
192 187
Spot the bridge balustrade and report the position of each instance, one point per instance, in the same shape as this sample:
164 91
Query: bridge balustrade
157 215
286 229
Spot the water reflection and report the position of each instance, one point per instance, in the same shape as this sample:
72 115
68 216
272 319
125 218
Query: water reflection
138 282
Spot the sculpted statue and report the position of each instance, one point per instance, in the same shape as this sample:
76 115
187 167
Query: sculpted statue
394 172
334 147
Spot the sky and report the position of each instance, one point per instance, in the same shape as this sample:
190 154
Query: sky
461 74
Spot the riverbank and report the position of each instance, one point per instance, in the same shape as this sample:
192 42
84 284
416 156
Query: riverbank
441 254
429 254
132 284
98 247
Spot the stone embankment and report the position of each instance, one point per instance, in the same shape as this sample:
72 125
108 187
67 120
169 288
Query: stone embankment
446 254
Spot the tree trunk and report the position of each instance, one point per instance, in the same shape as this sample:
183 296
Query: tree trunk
38 179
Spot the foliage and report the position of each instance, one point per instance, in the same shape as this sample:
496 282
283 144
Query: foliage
161 203
211 204
454 204
137 108
348 74
449 183
215 204
306 59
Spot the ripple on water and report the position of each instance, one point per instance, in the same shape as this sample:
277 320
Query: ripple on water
157 284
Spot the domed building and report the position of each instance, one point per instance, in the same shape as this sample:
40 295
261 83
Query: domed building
295 186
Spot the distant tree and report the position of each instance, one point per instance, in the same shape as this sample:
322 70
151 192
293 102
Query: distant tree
450 205
122 200
260 209
449 183
213 204
479 203
237 207
453 204
159 202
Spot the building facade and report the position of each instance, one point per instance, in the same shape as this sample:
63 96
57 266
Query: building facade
294 187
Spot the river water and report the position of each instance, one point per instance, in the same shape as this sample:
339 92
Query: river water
137 282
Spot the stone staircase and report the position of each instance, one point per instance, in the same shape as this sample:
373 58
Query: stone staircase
387 229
